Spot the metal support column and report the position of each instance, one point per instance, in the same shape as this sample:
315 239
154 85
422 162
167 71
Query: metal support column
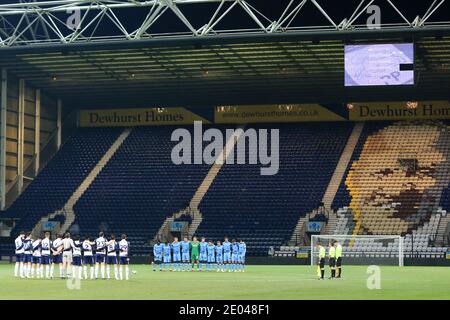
3 104
20 135
37 132
58 124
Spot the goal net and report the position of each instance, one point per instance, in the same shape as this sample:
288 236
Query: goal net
362 250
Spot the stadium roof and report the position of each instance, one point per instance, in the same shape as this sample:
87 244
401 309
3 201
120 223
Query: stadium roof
267 64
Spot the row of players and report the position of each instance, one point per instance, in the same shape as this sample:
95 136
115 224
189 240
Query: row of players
72 255
185 255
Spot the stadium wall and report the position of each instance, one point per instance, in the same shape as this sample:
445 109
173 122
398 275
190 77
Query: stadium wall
273 113
408 262
31 134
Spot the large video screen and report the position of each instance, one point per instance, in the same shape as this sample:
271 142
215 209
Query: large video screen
379 64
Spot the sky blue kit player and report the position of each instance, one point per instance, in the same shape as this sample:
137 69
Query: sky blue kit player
167 255
157 255
185 254
211 248
219 256
227 253
242 250
234 255
176 254
203 253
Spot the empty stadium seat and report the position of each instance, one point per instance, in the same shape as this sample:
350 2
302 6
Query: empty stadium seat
61 176
264 210
415 158
138 189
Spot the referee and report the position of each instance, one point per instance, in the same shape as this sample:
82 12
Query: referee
332 259
338 259
321 260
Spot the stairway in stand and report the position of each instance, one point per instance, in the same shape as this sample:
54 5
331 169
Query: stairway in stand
299 232
193 210
67 210
334 183
342 165
442 228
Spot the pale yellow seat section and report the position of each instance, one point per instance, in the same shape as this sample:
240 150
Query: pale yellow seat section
396 184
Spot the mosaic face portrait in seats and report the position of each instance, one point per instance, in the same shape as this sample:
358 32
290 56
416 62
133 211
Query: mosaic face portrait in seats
398 180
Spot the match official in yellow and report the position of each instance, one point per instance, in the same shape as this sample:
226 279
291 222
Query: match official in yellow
338 258
321 261
332 259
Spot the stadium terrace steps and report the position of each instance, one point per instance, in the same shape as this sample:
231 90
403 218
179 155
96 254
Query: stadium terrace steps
160 235
195 223
342 165
59 179
442 228
68 207
215 168
334 183
264 210
139 189
331 224
299 230
209 179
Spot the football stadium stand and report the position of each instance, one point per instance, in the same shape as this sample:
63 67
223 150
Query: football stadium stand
62 175
138 189
396 183
396 186
264 210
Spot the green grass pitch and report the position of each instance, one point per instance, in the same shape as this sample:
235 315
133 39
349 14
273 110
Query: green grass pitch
258 283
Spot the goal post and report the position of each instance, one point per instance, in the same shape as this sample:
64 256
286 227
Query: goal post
363 249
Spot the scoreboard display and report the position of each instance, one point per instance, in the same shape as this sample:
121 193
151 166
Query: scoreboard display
379 64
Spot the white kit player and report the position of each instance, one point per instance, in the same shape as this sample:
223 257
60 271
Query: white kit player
124 260
111 258
100 253
46 259
36 266
57 251
19 269
88 257
67 255
76 258
27 252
